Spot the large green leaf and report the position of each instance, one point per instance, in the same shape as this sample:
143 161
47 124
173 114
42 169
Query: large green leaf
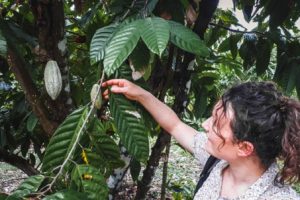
289 77
233 40
120 46
130 127
103 143
135 169
31 122
140 57
187 40
201 101
155 34
225 45
100 40
89 180
263 55
66 195
105 147
3 45
28 186
64 139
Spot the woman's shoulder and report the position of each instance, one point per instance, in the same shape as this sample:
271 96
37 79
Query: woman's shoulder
285 192
198 148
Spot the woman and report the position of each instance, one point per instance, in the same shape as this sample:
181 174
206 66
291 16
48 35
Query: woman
251 126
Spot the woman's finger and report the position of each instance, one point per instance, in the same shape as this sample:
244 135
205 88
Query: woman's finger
119 82
105 93
117 89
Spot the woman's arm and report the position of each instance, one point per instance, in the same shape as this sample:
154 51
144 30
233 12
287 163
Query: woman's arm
164 115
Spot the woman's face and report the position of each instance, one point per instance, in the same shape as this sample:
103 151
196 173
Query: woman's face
220 122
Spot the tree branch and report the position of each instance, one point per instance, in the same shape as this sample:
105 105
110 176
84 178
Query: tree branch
235 30
32 95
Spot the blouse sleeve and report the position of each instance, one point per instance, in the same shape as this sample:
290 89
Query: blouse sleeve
199 152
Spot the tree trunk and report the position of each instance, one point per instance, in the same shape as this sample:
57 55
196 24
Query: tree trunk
181 77
17 65
165 172
50 21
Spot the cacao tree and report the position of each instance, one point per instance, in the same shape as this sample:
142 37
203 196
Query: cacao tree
74 145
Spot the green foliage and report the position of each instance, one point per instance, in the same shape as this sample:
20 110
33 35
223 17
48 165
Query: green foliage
130 127
3 46
89 180
63 140
264 48
135 169
66 195
30 185
106 153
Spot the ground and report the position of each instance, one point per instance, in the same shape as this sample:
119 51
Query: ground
183 172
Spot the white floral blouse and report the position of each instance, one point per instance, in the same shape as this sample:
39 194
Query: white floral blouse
262 189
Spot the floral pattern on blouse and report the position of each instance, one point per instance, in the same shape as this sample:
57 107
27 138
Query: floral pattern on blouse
262 189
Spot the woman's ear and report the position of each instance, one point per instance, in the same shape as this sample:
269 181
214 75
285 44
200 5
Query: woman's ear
245 148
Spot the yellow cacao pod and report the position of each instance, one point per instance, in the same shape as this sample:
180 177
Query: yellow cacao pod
52 79
98 99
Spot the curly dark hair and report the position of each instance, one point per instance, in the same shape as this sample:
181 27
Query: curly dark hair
270 121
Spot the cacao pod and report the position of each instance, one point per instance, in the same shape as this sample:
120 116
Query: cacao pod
95 97
52 79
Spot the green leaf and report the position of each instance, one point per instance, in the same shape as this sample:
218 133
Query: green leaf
130 127
120 46
233 40
248 51
151 5
135 168
66 195
155 34
289 78
3 45
27 187
22 35
89 180
4 196
100 40
63 139
187 40
140 57
278 11
200 102
31 122
225 45
105 146
264 47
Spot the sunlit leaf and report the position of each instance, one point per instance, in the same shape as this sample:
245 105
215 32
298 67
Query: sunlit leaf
63 140
120 46
155 34
187 40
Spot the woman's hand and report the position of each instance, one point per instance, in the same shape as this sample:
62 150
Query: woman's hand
125 87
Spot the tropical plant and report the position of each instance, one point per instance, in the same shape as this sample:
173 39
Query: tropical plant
184 52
